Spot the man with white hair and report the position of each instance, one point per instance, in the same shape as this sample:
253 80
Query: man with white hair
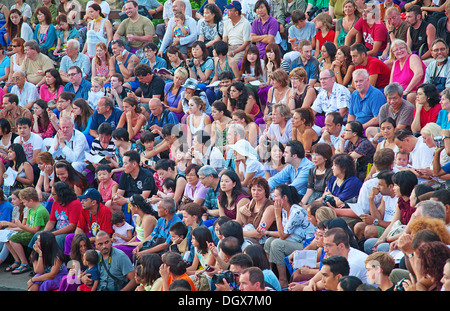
73 57
366 100
70 144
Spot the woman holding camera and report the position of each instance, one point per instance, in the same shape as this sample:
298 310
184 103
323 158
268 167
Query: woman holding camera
343 185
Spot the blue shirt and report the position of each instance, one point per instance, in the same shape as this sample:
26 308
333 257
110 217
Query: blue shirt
159 62
113 119
167 117
6 209
347 190
294 177
83 90
311 67
82 61
162 228
446 168
442 120
368 107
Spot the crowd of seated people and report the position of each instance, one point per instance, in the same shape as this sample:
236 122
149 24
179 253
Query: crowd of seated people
239 139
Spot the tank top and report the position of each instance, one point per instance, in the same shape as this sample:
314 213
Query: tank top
231 213
226 68
404 75
125 63
419 37
273 100
200 127
93 37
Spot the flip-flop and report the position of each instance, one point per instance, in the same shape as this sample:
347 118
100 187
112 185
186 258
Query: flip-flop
10 268
21 269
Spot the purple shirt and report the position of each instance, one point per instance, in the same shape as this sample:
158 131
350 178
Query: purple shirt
198 192
270 27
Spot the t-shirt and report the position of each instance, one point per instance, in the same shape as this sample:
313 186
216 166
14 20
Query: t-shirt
143 182
308 32
155 87
33 143
378 32
403 117
35 69
429 116
87 221
376 66
364 109
38 217
65 215
113 119
142 27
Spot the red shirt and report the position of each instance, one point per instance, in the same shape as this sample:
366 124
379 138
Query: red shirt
376 66
65 215
378 32
429 116
102 218
329 37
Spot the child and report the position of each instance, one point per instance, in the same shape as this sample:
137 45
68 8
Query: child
90 259
148 141
20 211
97 91
180 30
178 232
183 158
401 161
123 231
324 22
106 185
168 190
302 29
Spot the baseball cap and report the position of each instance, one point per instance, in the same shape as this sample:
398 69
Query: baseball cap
234 5
92 194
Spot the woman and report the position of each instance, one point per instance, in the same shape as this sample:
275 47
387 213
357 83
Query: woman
44 184
176 60
320 174
343 25
201 66
5 67
65 32
65 172
23 8
280 91
357 146
166 169
408 69
172 100
16 27
7 138
219 127
17 57
123 144
150 273
427 106
48 263
17 160
71 8
293 229
302 129
145 223
223 62
251 68
252 130
428 133
258 213
99 30
100 62
174 268
240 97
45 122
53 86
194 190
343 185
443 119
83 117
231 195
201 239
260 260
275 163
328 52
404 183
132 119
302 94
45 31
211 30
246 163
197 119
342 66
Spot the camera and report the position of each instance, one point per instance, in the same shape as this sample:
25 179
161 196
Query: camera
191 62
438 141
399 286
229 276
329 199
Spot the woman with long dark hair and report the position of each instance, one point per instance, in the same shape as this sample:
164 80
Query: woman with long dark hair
53 86
65 172
43 124
16 27
231 194
17 160
427 106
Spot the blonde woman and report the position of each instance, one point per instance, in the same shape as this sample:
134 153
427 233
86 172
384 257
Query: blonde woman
197 119
100 62
302 94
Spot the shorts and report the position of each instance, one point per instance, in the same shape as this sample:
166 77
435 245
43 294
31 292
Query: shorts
22 237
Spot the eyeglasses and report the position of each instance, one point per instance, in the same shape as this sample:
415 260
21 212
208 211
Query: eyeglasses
324 78
438 50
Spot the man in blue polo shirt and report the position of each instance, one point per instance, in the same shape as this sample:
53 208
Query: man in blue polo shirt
159 116
105 112
77 85
307 61
366 100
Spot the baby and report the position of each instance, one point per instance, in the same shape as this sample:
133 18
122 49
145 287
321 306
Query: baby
401 161
179 31
96 92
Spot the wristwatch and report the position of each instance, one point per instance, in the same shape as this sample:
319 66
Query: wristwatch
118 63
375 222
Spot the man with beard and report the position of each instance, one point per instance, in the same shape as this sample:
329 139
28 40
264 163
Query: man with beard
438 70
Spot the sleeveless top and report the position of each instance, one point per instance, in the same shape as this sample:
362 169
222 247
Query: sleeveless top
404 76
102 70
273 100
255 218
16 67
140 231
93 37
419 38
299 98
227 68
125 63
233 212
200 127
221 138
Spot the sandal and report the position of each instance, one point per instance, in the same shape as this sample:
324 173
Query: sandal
11 267
21 269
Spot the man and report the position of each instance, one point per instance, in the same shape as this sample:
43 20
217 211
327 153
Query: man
396 107
336 242
302 29
151 59
73 57
420 34
35 63
332 97
308 62
26 91
105 112
133 180
179 6
296 171
210 179
159 116
283 14
237 264
136 29
252 279
123 62
397 29
31 142
77 84
236 31
333 268
443 25
204 153
168 13
264 29
12 111
117 91
333 129
70 144
420 155
116 271
385 6
379 72
150 86
366 100
160 238
379 266
438 70
103 145
374 34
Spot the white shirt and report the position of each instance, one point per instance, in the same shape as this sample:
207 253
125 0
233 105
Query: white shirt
421 156
339 98
167 39
29 93
239 33
168 10
390 205
74 149
356 260
33 143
